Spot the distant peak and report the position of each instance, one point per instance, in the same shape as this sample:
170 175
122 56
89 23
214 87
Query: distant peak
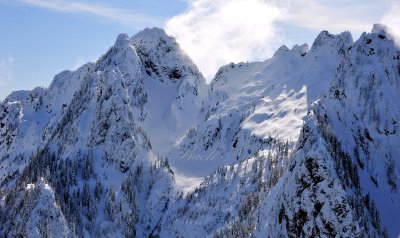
326 38
282 50
301 49
322 38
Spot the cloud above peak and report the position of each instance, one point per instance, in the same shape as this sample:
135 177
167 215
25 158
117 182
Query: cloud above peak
216 32
392 18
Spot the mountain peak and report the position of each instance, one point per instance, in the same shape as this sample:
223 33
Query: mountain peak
162 57
151 33
301 49
153 37
327 39
385 31
122 40
380 28
281 50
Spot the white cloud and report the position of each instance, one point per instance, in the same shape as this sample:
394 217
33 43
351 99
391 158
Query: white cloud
104 12
336 16
216 32
392 18
6 65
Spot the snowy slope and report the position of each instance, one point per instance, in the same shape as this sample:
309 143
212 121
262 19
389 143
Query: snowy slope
249 103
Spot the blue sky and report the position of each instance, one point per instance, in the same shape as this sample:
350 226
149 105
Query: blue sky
40 38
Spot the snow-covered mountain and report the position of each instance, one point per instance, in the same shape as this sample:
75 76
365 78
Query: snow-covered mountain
136 144
250 103
96 130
